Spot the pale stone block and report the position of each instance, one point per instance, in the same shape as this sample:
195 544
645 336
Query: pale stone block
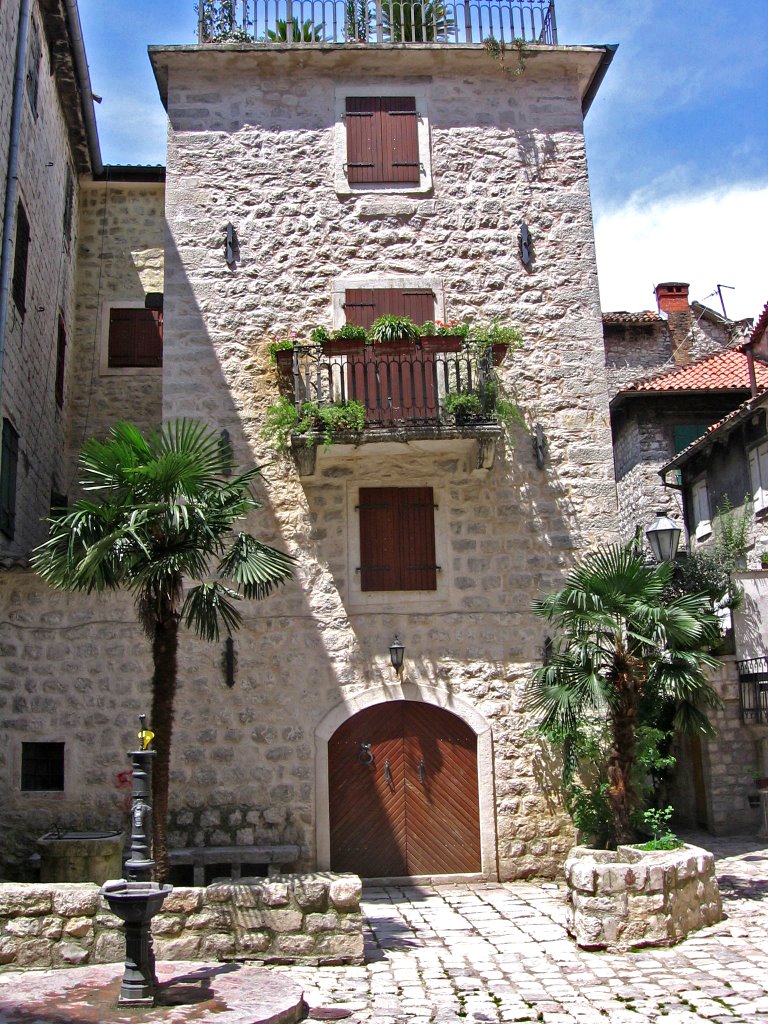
71 953
275 894
167 924
321 922
294 945
345 892
582 876
34 953
24 927
282 920
109 947
182 947
183 900
253 942
78 927
346 947
7 949
219 944
24 899
76 900
311 895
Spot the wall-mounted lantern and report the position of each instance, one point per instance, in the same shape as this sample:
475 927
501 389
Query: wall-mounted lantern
396 654
663 536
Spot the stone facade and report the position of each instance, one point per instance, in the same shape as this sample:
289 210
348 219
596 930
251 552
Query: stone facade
312 919
629 898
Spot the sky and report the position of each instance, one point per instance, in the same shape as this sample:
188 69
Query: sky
677 138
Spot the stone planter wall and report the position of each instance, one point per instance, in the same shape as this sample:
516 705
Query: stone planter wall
629 897
312 919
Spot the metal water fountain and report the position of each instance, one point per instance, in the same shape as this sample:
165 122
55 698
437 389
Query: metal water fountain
136 899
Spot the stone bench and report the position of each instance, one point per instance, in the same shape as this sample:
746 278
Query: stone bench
279 859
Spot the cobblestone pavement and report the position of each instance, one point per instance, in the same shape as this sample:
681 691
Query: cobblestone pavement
489 952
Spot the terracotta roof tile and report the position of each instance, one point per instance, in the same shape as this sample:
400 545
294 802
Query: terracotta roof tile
721 427
723 371
622 317
760 326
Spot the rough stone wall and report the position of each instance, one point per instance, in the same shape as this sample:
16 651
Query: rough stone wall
120 259
642 445
312 919
29 371
628 898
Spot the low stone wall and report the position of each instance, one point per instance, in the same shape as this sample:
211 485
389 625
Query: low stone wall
629 897
312 919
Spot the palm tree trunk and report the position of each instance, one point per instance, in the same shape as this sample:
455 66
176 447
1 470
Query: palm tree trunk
621 794
165 644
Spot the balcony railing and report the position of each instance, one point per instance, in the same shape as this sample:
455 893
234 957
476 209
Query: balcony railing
753 691
397 386
303 22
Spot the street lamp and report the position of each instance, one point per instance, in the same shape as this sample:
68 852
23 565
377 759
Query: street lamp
663 535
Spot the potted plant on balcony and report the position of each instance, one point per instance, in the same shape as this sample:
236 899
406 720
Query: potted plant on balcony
395 332
464 406
284 419
349 339
440 336
496 336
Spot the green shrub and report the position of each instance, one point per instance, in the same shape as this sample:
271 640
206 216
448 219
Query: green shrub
390 329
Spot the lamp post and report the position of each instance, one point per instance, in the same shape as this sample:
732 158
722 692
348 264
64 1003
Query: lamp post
663 536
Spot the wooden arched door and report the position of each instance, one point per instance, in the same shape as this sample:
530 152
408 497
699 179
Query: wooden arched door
403 792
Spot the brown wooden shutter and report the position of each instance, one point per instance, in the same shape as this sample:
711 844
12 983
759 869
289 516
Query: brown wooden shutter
397 538
364 156
363 305
135 337
20 260
382 139
61 354
9 460
400 141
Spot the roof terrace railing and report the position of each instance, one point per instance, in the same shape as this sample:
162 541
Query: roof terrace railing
303 22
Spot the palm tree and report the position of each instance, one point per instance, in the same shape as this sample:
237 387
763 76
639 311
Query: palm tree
303 32
416 21
623 643
159 512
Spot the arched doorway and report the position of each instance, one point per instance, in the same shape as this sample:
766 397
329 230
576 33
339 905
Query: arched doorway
403 792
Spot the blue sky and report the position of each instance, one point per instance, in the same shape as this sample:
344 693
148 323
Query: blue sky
677 139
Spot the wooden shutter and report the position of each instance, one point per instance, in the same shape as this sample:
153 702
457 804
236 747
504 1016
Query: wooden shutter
20 260
364 157
397 538
364 305
61 355
33 66
400 141
701 515
758 472
9 459
69 204
135 337
382 139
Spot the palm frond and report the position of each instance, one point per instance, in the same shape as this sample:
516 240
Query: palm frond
209 606
256 567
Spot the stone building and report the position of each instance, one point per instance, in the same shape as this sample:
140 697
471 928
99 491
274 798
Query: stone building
671 374
313 185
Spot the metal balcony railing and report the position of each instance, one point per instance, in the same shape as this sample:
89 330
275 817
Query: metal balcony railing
753 690
303 22
397 386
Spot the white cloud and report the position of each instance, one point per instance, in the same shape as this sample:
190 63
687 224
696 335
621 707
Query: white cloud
708 238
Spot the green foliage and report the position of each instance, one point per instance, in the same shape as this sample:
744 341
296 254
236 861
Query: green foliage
497 51
319 334
279 345
390 329
341 418
284 419
463 405
590 812
357 20
303 31
406 21
494 333
221 22
656 820
624 645
438 328
350 332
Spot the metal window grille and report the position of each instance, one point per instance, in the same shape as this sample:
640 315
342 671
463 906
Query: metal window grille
42 767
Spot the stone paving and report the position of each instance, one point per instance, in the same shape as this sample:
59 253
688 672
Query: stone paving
490 952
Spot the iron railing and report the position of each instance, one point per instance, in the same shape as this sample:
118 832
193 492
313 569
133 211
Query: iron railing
753 690
302 22
397 387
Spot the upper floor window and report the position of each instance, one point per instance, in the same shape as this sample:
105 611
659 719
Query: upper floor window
397 538
134 338
42 767
382 141
364 305
702 518
20 260
9 459
33 66
758 472
61 356
69 204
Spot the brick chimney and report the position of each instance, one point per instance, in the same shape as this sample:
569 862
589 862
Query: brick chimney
672 299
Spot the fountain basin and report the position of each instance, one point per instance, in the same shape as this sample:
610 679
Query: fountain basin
80 856
135 902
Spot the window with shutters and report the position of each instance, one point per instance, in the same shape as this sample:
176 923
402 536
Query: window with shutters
61 356
133 338
701 525
9 459
69 205
20 260
397 538
758 473
382 139
33 66
364 305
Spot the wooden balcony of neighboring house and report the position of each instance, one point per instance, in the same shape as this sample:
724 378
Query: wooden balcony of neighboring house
431 392
753 692
343 22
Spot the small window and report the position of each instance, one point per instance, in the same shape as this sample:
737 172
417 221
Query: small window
397 538
69 205
61 356
702 525
382 140
20 260
9 459
135 338
364 305
33 66
758 472
42 767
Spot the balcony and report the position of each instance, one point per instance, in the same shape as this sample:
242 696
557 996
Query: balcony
435 390
753 691
339 22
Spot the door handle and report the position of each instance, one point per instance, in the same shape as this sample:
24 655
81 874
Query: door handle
422 772
387 774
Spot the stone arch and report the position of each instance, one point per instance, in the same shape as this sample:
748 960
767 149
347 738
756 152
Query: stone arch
454 703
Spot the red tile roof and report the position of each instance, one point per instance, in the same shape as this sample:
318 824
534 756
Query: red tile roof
723 426
723 371
622 317
760 326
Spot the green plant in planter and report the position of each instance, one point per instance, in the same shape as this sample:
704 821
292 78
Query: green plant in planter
279 345
464 406
390 329
482 337
350 332
283 419
319 334
656 820
341 418
437 328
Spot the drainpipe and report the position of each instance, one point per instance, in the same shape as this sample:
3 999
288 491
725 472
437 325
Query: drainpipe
84 81
11 178
751 367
